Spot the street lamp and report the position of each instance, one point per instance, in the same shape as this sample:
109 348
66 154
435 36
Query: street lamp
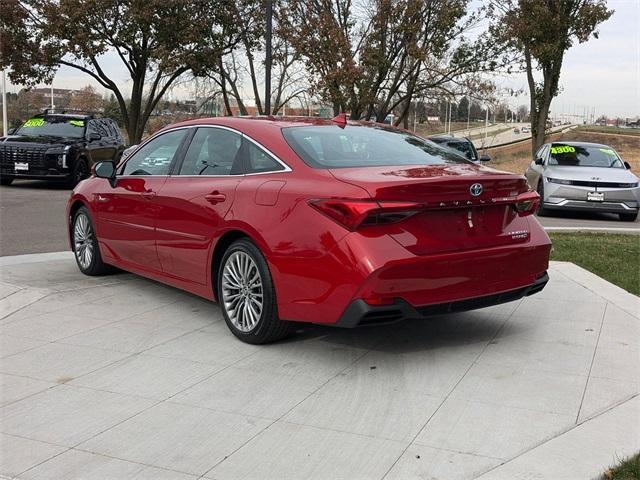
5 126
267 60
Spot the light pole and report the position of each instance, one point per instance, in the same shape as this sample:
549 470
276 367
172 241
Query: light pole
267 61
468 114
486 124
5 126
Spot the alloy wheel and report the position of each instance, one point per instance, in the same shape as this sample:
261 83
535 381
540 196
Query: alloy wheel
242 294
83 241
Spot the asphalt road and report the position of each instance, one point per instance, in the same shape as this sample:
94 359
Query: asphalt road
32 219
496 134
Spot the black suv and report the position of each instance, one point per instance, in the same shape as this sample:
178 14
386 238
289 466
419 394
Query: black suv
59 146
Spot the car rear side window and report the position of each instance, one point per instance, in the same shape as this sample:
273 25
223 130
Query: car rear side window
213 151
155 157
330 146
259 161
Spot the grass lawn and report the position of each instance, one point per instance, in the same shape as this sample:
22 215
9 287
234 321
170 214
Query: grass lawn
614 130
613 257
628 469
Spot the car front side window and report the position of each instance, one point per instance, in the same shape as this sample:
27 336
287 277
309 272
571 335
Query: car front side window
213 151
155 157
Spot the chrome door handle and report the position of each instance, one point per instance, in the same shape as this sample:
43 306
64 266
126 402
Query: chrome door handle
149 194
215 197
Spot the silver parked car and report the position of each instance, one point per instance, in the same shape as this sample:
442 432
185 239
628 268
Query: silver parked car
582 176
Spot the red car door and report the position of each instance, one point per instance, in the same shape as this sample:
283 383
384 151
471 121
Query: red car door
127 212
194 201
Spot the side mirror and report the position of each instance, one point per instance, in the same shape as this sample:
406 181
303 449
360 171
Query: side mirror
94 136
12 131
105 170
539 161
627 166
485 158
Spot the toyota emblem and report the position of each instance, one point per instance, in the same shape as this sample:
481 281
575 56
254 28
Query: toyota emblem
475 189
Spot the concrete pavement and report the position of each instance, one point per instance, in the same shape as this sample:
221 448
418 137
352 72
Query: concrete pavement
121 377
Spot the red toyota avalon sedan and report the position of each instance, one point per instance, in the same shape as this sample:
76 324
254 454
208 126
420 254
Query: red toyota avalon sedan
307 220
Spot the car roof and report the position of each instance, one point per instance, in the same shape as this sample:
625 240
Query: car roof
271 122
72 116
582 144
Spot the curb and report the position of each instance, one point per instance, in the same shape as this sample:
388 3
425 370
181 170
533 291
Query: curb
35 258
635 231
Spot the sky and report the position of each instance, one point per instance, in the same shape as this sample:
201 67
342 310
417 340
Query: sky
601 75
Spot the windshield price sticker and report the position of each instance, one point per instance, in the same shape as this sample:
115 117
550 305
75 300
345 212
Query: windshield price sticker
77 123
563 149
34 122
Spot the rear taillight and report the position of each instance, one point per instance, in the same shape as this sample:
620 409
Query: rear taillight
356 213
526 203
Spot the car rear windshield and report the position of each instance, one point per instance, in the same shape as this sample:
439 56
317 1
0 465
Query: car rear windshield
584 156
330 146
52 126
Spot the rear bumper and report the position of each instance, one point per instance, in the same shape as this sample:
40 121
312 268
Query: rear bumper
377 270
359 313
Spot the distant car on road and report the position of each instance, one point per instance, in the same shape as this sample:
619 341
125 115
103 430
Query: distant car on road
516 130
525 130
462 146
59 146
583 176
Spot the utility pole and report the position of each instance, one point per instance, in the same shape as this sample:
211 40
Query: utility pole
52 105
267 61
468 114
486 124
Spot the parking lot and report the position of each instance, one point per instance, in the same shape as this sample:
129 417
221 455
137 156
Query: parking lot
44 204
117 376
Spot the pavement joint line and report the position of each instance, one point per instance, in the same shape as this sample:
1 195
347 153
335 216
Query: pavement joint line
599 279
461 452
446 397
279 419
559 434
593 358
156 402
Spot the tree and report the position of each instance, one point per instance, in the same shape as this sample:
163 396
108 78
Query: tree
86 99
542 31
156 40
374 58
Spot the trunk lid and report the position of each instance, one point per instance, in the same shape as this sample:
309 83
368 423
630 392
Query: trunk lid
452 217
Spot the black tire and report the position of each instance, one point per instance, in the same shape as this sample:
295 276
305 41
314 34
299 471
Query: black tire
628 217
6 181
541 210
268 327
80 172
95 266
